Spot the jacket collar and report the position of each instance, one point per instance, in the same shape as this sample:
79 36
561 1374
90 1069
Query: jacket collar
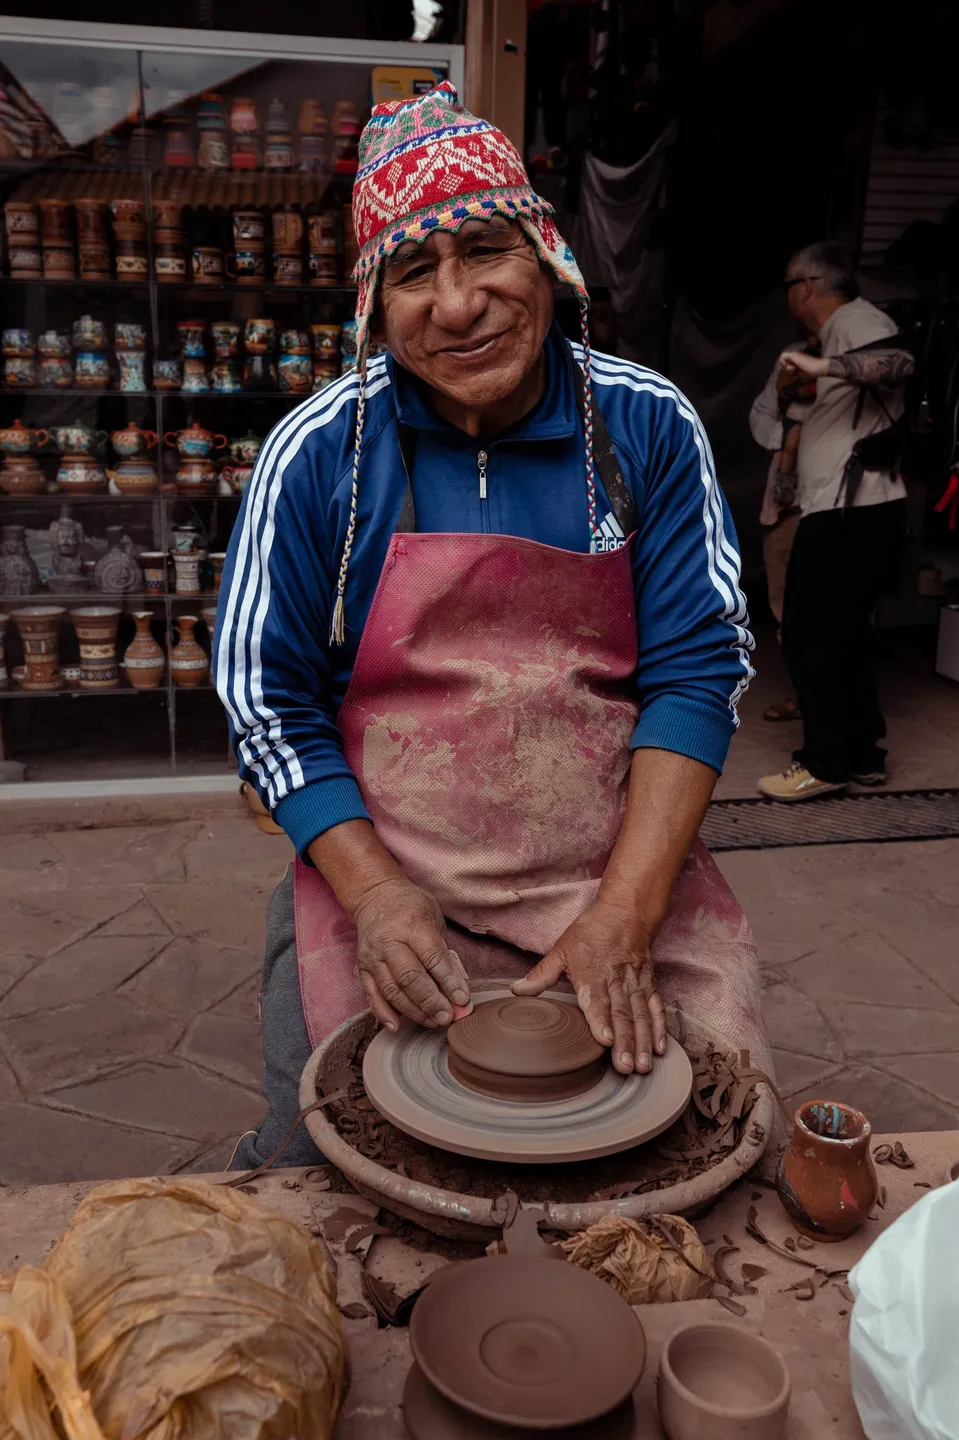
555 417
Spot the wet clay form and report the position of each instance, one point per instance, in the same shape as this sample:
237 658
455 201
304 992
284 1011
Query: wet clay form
525 1049
430 1416
408 1077
527 1343
721 1382
826 1179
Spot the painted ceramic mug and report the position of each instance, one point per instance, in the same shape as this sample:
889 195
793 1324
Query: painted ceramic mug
77 439
248 226
89 334
226 377
92 369
248 267
154 564
56 372
167 374
295 374
195 379
20 371
192 334
129 337
226 339
259 336
18 342
54 343
207 263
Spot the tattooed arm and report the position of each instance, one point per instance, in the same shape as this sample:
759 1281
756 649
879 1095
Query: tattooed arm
884 369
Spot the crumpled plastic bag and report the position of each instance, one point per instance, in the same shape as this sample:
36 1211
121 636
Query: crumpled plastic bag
648 1261
902 1336
172 1310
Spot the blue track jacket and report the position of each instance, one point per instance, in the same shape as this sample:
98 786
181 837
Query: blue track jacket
281 681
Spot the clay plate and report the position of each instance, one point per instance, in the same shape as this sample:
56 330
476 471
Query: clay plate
408 1079
525 1049
430 1416
527 1342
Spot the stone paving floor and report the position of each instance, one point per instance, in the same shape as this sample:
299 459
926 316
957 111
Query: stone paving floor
130 959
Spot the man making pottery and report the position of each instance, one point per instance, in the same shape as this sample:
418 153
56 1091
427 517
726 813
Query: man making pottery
481 641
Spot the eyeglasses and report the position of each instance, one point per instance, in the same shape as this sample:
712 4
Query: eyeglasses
798 280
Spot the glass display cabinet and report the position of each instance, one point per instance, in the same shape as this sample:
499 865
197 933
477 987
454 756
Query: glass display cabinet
175 272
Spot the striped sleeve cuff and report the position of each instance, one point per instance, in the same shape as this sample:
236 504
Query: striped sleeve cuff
687 727
316 808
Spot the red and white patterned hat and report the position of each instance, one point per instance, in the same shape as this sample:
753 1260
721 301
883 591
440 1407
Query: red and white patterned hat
428 164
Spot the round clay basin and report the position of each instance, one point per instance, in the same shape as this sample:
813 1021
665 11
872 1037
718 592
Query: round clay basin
457 1215
723 1382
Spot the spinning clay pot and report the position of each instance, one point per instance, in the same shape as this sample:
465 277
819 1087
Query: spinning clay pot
722 1382
525 1049
826 1179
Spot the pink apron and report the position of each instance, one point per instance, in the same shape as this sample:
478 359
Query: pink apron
488 723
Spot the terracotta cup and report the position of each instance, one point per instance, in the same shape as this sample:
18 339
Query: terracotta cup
720 1382
826 1179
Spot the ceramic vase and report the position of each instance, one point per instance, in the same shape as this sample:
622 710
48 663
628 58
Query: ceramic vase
4 621
187 567
144 660
39 627
134 477
96 627
189 662
826 1179
18 573
154 563
21 475
81 475
217 561
117 572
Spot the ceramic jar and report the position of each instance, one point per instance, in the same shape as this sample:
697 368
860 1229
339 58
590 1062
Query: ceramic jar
54 344
167 374
154 563
217 561
96 627
4 679
196 477
77 439
189 663
39 627
20 439
238 475
196 381
192 333
128 336
144 660
89 334
187 571
17 341
226 339
81 475
194 443
259 336
56 373
117 572
826 1179
246 448
18 573
131 440
92 369
133 371
295 374
134 477
21 475
20 371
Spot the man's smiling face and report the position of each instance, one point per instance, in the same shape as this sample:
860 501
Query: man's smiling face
467 312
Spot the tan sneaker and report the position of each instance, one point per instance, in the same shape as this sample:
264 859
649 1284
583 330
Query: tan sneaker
796 783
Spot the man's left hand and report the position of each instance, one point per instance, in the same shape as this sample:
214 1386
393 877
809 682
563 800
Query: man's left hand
606 955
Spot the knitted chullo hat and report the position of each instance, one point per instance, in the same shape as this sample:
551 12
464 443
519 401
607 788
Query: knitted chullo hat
428 164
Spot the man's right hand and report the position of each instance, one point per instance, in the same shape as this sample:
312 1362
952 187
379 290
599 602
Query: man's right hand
404 963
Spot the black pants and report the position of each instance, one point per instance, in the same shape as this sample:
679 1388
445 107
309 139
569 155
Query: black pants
842 562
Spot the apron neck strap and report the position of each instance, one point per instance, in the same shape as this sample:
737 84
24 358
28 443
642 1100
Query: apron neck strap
604 455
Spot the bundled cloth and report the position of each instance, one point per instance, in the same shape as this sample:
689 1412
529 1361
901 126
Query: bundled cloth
172 1310
648 1261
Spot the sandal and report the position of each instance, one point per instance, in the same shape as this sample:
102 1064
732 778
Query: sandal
785 710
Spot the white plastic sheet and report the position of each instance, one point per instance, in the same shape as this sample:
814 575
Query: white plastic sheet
904 1336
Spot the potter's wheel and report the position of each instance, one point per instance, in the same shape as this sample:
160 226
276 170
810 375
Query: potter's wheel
408 1078
526 1344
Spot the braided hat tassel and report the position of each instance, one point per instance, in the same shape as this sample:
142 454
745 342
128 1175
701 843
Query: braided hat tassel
588 424
338 623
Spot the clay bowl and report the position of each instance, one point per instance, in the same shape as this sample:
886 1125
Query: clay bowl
723 1382
460 1215
524 1341
428 1415
514 1048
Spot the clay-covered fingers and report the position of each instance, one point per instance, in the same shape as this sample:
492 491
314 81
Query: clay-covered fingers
442 965
642 1023
621 1018
657 1011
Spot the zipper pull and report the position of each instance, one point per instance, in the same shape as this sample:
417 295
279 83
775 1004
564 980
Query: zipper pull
481 460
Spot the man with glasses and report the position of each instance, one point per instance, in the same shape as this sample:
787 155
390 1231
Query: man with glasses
847 548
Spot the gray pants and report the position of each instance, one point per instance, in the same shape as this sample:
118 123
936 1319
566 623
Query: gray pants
286 1044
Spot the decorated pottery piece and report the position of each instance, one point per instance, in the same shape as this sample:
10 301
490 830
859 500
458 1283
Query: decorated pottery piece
56 373
129 336
189 662
132 364
238 475
39 627
217 561
196 381
131 440
20 371
168 374
226 339
295 374
96 627
135 476
18 342
21 475
187 571
20 439
69 574
89 334
192 334
55 343
721 1382
186 538
246 448
826 1179
92 369
117 572
193 442
196 477
18 573
81 475
259 336
77 439
226 377
154 563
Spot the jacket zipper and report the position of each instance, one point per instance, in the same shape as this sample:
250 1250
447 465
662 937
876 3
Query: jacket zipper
482 460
